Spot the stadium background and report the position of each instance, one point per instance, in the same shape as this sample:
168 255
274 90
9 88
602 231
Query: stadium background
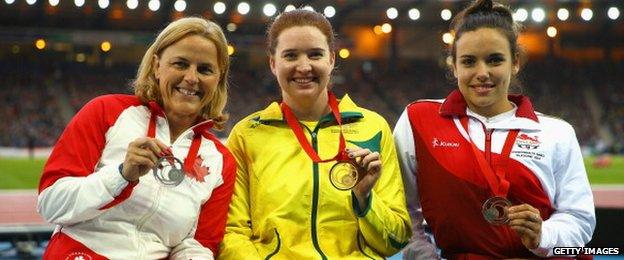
56 55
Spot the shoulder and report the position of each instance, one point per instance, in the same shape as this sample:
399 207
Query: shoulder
112 101
107 107
425 104
249 122
553 123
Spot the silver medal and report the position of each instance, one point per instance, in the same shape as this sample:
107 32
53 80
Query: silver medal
168 171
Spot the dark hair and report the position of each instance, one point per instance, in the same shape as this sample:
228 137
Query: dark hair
299 17
486 14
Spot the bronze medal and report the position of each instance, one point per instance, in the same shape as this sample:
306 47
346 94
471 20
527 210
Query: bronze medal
493 210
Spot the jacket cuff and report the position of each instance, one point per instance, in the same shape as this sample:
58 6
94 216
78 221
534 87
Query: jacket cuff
356 205
545 246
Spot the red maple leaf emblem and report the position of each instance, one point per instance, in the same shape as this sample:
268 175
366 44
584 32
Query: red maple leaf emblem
199 171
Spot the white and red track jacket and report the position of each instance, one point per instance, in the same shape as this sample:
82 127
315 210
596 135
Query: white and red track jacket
445 184
100 215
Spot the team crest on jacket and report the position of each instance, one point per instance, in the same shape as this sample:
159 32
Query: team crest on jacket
527 142
199 171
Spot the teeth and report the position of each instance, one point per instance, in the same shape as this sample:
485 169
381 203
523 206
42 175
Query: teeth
306 80
187 92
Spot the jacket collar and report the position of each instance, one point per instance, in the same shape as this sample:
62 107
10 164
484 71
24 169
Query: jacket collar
201 125
455 105
348 110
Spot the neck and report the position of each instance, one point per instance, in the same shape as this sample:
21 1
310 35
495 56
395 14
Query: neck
493 110
309 110
178 124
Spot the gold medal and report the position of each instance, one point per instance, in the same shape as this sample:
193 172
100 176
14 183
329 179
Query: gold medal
168 171
344 175
494 212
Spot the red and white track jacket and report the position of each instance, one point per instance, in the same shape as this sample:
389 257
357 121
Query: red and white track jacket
445 184
100 215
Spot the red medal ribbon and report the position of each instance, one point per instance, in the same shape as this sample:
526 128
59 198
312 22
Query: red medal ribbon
291 120
496 178
193 150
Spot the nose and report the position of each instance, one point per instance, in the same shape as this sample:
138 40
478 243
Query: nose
190 76
483 73
304 66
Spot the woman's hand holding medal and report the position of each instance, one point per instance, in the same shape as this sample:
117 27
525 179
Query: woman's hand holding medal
527 222
370 163
143 154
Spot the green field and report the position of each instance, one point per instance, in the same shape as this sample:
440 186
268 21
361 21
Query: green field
24 173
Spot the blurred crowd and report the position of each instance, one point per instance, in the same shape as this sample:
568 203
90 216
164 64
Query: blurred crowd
37 99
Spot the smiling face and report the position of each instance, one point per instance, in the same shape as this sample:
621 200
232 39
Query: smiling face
302 64
483 68
187 73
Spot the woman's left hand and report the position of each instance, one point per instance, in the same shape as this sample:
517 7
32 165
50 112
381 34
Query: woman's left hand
527 222
371 164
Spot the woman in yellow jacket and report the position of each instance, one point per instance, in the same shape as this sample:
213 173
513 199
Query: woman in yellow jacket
284 205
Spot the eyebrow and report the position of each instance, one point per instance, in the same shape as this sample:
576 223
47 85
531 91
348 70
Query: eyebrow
311 49
489 55
200 63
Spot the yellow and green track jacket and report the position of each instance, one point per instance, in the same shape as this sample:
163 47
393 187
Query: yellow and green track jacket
284 206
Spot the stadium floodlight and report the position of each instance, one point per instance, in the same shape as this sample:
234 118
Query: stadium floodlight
103 4
31 2
377 29
520 15
386 28
269 9
79 3
344 53
563 14
153 5
231 27
289 8
551 31
243 8
413 14
538 15
40 44
81 57
179 5
447 38
329 11
54 2
587 14
613 13
446 14
105 46
9 1
309 8
219 7
392 13
132 4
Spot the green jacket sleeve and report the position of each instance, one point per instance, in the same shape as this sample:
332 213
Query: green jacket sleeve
237 240
385 223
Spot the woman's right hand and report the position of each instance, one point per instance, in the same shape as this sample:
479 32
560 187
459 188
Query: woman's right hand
141 156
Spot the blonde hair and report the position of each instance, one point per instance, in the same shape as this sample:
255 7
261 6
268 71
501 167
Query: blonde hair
146 86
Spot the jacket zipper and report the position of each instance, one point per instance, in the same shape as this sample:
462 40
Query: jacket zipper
488 145
143 220
315 196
